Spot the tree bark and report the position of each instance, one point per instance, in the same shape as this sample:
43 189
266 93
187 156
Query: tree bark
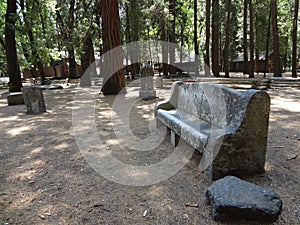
134 9
181 40
71 51
266 66
252 62
215 38
277 64
13 69
227 39
165 54
294 40
72 62
113 83
196 44
127 32
172 31
87 58
207 37
245 39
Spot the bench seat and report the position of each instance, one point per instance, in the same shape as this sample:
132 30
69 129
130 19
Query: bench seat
190 128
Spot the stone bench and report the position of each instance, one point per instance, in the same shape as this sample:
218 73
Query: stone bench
229 128
15 98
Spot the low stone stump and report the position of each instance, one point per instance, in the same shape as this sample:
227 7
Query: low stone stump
15 98
233 198
147 91
159 82
34 100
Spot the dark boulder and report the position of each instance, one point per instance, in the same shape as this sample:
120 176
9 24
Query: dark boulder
233 198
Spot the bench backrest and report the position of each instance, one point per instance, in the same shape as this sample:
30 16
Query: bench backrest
216 104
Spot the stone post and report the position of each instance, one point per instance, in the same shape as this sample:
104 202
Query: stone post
147 90
159 82
34 100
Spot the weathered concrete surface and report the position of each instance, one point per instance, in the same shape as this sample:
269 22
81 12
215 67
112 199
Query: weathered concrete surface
34 100
147 90
233 198
15 98
230 128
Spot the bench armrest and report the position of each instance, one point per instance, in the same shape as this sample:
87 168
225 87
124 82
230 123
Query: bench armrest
171 103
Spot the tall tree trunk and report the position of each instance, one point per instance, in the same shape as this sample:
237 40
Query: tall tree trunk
165 54
266 67
207 37
181 41
227 39
134 7
294 39
71 51
13 69
172 38
196 45
252 62
72 62
87 58
128 31
277 63
215 38
245 39
113 83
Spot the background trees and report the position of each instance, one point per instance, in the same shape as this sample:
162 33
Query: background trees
50 32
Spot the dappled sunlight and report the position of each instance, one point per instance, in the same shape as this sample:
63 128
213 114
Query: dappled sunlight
148 117
36 150
28 170
268 167
25 199
156 191
19 130
25 175
8 119
286 104
61 146
139 173
112 142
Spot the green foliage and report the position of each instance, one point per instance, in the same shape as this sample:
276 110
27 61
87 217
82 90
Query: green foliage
53 36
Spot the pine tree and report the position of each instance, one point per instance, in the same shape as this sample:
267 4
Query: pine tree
111 36
13 70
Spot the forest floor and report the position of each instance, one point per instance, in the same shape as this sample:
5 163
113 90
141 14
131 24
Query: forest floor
45 179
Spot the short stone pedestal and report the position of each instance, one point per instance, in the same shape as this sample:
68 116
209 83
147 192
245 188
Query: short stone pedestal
34 100
147 90
15 98
159 82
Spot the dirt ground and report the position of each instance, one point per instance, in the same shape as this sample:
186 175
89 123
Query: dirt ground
44 178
